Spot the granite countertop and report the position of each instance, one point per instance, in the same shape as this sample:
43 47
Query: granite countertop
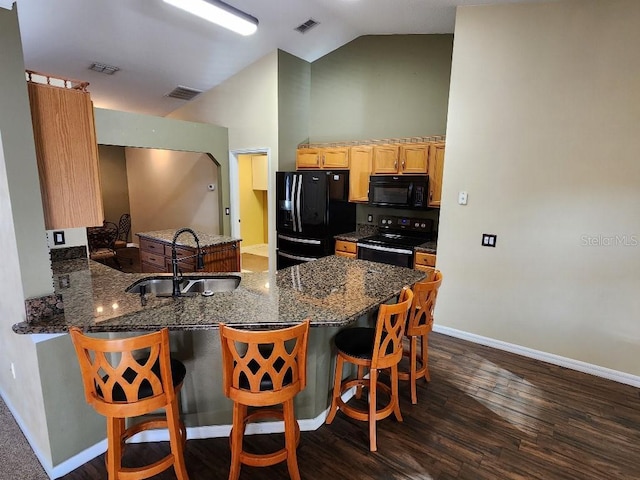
427 247
185 239
331 291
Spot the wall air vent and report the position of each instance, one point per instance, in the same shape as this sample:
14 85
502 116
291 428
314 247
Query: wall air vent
306 26
183 93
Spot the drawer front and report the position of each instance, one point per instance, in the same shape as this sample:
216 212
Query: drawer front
425 259
152 258
151 246
346 247
185 266
346 254
180 251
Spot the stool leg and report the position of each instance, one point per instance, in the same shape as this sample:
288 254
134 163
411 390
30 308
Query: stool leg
424 343
237 432
290 439
176 440
395 398
413 369
115 428
337 381
360 377
373 384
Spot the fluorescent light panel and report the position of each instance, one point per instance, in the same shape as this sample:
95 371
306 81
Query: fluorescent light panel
219 13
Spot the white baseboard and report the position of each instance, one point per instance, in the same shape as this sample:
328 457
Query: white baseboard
620 377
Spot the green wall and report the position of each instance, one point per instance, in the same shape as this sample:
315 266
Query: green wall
294 97
381 86
135 130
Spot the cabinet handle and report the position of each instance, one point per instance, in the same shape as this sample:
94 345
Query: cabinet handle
403 165
395 164
323 160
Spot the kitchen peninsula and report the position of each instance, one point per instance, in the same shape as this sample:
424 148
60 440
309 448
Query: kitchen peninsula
333 292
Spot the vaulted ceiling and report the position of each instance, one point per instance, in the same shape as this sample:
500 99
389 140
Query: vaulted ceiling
158 47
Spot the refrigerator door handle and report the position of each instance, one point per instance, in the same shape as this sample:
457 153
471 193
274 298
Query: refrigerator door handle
297 213
300 240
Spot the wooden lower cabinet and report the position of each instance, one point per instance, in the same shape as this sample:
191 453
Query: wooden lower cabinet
155 257
346 249
425 262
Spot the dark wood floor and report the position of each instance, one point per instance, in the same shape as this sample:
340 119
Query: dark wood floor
486 414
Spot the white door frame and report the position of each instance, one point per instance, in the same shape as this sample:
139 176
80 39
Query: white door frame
234 196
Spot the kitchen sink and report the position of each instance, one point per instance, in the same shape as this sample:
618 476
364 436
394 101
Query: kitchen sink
189 285
211 285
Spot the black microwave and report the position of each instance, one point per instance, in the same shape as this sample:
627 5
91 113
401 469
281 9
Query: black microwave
398 191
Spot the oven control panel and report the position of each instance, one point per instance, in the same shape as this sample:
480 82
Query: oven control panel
390 222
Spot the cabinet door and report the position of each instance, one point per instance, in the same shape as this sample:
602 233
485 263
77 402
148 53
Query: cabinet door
413 159
307 158
385 159
436 167
335 158
359 173
67 154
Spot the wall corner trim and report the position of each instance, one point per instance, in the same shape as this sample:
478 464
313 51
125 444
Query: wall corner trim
577 365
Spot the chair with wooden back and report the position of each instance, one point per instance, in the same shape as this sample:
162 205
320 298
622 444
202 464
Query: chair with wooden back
102 243
419 326
264 369
130 377
377 349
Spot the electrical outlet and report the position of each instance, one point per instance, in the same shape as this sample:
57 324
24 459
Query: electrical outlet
58 238
13 370
369 218
489 240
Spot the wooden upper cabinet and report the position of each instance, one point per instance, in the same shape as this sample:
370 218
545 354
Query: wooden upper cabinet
385 159
361 158
409 159
335 158
67 154
414 159
436 167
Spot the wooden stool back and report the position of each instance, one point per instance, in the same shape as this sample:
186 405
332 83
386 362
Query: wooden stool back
130 377
264 369
390 327
419 326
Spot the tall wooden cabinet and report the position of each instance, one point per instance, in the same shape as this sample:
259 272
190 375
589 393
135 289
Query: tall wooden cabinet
67 154
436 167
361 158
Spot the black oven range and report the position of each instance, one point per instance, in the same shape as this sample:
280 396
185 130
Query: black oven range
396 240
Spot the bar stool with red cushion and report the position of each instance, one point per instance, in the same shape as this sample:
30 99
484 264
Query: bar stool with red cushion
264 369
129 377
377 349
419 326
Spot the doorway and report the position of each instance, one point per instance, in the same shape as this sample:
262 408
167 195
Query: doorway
249 178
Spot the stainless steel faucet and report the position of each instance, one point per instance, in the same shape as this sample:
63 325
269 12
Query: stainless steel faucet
174 259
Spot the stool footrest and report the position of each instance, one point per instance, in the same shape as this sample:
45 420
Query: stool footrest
265 459
361 414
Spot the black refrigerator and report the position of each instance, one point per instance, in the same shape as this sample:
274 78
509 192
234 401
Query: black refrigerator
312 207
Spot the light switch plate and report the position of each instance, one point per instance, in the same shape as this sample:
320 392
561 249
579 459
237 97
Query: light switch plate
58 238
462 198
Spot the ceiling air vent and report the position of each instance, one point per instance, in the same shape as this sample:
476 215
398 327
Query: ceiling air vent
103 68
183 93
306 26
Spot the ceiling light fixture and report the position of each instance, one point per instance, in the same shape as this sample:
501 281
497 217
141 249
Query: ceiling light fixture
219 13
